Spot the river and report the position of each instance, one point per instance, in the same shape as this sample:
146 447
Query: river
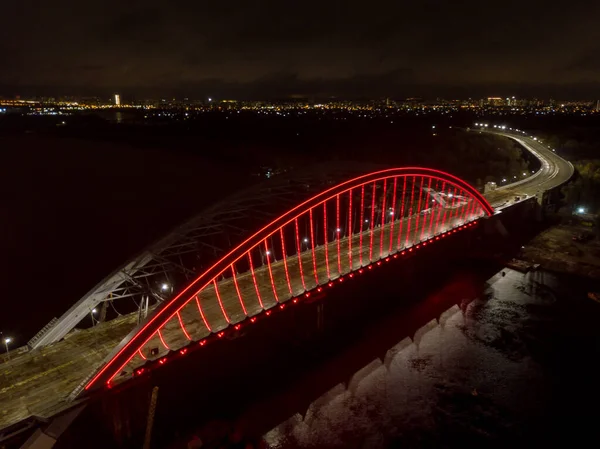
517 365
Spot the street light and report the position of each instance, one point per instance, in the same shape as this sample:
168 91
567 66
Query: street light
7 340
164 287
581 210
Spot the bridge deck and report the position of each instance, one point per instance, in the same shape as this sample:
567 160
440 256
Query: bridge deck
38 382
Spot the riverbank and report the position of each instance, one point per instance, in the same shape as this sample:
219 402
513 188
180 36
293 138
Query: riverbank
561 249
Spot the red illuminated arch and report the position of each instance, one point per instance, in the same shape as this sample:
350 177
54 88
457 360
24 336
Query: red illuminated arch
132 344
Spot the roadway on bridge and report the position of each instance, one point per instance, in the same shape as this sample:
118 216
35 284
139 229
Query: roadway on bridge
39 382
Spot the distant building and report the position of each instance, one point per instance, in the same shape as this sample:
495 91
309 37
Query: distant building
117 100
597 105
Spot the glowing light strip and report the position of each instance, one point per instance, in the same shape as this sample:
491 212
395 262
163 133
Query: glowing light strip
433 209
312 245
372 223
220 302
383 215
144 332
270 271
325 238
350 229
202 314
362 219
162 340
299 252
141 354
338 232
427 206
401 223
394 207
441 207
183 327
410 214
254 279
237 289
416 233
287 274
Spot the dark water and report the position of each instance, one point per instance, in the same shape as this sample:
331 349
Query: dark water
515 365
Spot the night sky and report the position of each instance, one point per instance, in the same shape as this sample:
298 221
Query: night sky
267 49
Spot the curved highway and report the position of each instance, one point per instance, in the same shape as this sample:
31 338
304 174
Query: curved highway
554 171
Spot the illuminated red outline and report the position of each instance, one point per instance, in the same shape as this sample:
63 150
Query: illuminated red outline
312 245
220 302
162 340
427 204
393 215
362 219
410 209
121 355
325 239
237 289
419 210
287 274
202 314
372 223
338 234
141 354
254 280
350 229
299 252
441 207
183 327
401 221
270 271
383 215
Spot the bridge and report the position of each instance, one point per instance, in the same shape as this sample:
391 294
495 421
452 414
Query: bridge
242 260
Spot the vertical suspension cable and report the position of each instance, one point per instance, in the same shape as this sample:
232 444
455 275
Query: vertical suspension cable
299 251
362 219
162 340
268 254
220 302
338 232
312 244
325 238
449 204
350 234
441 206
401 222
183 327
254 279
287 274
416 233
427 206
393 215
433 208
372 222
237 289
410 210
202 314
383 215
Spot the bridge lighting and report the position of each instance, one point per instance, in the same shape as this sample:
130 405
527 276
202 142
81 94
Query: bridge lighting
366 220
268 253
581 210
535 138
305 240
515 176
164 287
524 174
503 179
450 195
338 230
94 311
391 212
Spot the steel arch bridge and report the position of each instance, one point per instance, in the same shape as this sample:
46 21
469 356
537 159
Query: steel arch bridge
345 223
